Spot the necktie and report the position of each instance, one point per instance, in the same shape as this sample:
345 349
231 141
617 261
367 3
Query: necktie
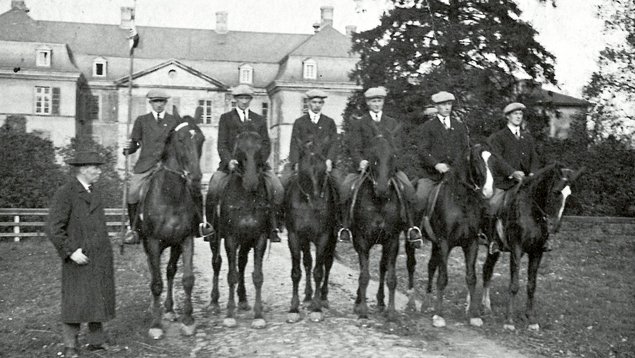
517 133
446 122
90 188
245 116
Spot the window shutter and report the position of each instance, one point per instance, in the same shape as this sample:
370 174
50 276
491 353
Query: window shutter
56 99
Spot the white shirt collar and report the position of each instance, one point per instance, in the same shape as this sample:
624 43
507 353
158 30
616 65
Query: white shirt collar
158 115
84 184
241 113
315 117
445 121
515 129
376 116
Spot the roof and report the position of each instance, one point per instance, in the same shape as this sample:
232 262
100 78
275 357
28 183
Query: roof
20 56
191 44
328 42
558 99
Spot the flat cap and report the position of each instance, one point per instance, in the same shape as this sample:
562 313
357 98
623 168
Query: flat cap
442 96
513 107
315 93
375 92
157 94
242 90
86 158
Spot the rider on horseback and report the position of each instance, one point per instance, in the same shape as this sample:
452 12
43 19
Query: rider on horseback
517 158
363 130
236 121
443 137
149 133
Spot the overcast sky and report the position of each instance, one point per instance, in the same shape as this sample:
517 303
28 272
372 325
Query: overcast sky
571 31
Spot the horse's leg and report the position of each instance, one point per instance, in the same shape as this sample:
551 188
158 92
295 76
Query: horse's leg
488 271
442 282
318 276
296 275
532 271
383 262
391 251
328 263
433 263
307 259
470 252
153 251
243 258
258 278
217 260
187 246
231 247
168 304
514 268
360 303
411 263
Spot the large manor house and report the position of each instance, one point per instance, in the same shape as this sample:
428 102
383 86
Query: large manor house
70 79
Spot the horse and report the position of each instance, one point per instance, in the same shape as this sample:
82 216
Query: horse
243 221
310 213
532 212
170 213
378 220
454 212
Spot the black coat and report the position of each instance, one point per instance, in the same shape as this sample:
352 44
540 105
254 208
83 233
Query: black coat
76 219
364 129
325 131
230 126
515 154
440 145
152 135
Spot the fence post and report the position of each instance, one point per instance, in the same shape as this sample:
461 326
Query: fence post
16 228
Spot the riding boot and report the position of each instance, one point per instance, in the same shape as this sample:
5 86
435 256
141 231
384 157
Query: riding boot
274 237
132 236
344 234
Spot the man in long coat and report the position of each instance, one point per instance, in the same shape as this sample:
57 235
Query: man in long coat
77 229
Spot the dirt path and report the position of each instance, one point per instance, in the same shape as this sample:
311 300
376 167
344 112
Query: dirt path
339 335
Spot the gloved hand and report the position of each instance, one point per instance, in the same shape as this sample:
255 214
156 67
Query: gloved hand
442 167
363 164
232 164
79 258
329 165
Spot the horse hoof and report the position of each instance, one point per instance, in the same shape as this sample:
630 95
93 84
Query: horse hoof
534 327
325 304
258 323
170 316
438 321
229 322
155 333
244 306
364 322
188 330
214 309
316 316
293 317
509 327
476 322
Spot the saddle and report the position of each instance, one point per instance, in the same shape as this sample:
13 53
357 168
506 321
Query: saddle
358 183
429 209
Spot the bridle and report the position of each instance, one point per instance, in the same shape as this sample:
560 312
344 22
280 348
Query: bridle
183 173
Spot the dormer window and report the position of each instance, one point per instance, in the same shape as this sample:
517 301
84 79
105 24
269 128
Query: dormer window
43 57
100 67
309 69
246 73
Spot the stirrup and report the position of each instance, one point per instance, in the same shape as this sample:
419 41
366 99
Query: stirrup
205 229
493 248
418 241
339 234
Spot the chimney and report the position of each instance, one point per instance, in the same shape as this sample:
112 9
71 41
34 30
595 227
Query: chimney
221 22
19 5
326 16
127 17
350 29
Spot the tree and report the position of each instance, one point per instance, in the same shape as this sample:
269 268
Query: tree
473 48
612 86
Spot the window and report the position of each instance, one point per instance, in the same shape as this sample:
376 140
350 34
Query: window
233 104
246 74
206 110
47 100
265 109
100 67
310 70
43 57
92 106
305 105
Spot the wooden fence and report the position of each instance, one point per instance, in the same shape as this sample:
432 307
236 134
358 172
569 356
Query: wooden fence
31 222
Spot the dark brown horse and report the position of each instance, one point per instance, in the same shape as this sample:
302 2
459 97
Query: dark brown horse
378 220
532 212
244 223
310 212
455 220
170 213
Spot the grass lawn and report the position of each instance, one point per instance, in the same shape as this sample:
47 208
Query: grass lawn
585 295
30 275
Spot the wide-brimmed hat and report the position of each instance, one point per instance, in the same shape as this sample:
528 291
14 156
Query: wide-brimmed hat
515 106
443 96
154 95
242 90
86 158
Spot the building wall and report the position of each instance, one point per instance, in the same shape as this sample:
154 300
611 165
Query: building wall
560 120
